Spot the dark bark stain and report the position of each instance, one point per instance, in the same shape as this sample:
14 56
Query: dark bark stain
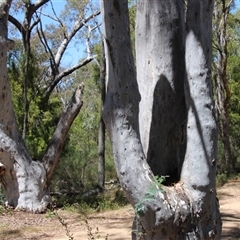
117 7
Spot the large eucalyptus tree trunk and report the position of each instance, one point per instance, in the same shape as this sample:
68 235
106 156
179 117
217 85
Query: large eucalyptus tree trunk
160 76
189 209
25 181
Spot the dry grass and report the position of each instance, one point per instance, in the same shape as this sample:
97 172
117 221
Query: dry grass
116 224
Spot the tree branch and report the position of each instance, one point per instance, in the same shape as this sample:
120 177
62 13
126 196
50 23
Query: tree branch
52 154
54 67
38 4
34 24
17 24
65 73
77 26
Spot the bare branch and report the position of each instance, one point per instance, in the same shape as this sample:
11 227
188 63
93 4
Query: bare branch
90 29
52 155
17 24
65 73
58 19
77 26
34 24
38 4
48 15
54 66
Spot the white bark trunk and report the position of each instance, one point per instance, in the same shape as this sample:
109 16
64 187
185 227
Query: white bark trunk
177 212
120 118
201 155
23 179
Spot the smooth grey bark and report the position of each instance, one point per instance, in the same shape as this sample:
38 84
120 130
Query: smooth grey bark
199 168
120 108
187 210
160 75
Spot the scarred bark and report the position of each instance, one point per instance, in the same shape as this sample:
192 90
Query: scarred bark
188 210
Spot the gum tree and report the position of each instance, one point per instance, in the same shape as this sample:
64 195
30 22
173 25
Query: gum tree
25 181
166 104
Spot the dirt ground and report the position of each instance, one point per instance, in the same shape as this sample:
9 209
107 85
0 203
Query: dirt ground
111 225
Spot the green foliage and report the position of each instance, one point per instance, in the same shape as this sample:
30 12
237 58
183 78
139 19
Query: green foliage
150 194
50 213
43 122
221 179
132 15
77 169
78 166
120 198
2 198
233 69
3 208
233 74
42 114
85 205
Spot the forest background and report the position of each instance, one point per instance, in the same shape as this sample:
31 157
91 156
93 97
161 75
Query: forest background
78 171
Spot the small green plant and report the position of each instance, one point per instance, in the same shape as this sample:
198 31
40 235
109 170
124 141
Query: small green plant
50 213
92 235
6 210
2 197
150 194
53 213
221 179
101 202
140 207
